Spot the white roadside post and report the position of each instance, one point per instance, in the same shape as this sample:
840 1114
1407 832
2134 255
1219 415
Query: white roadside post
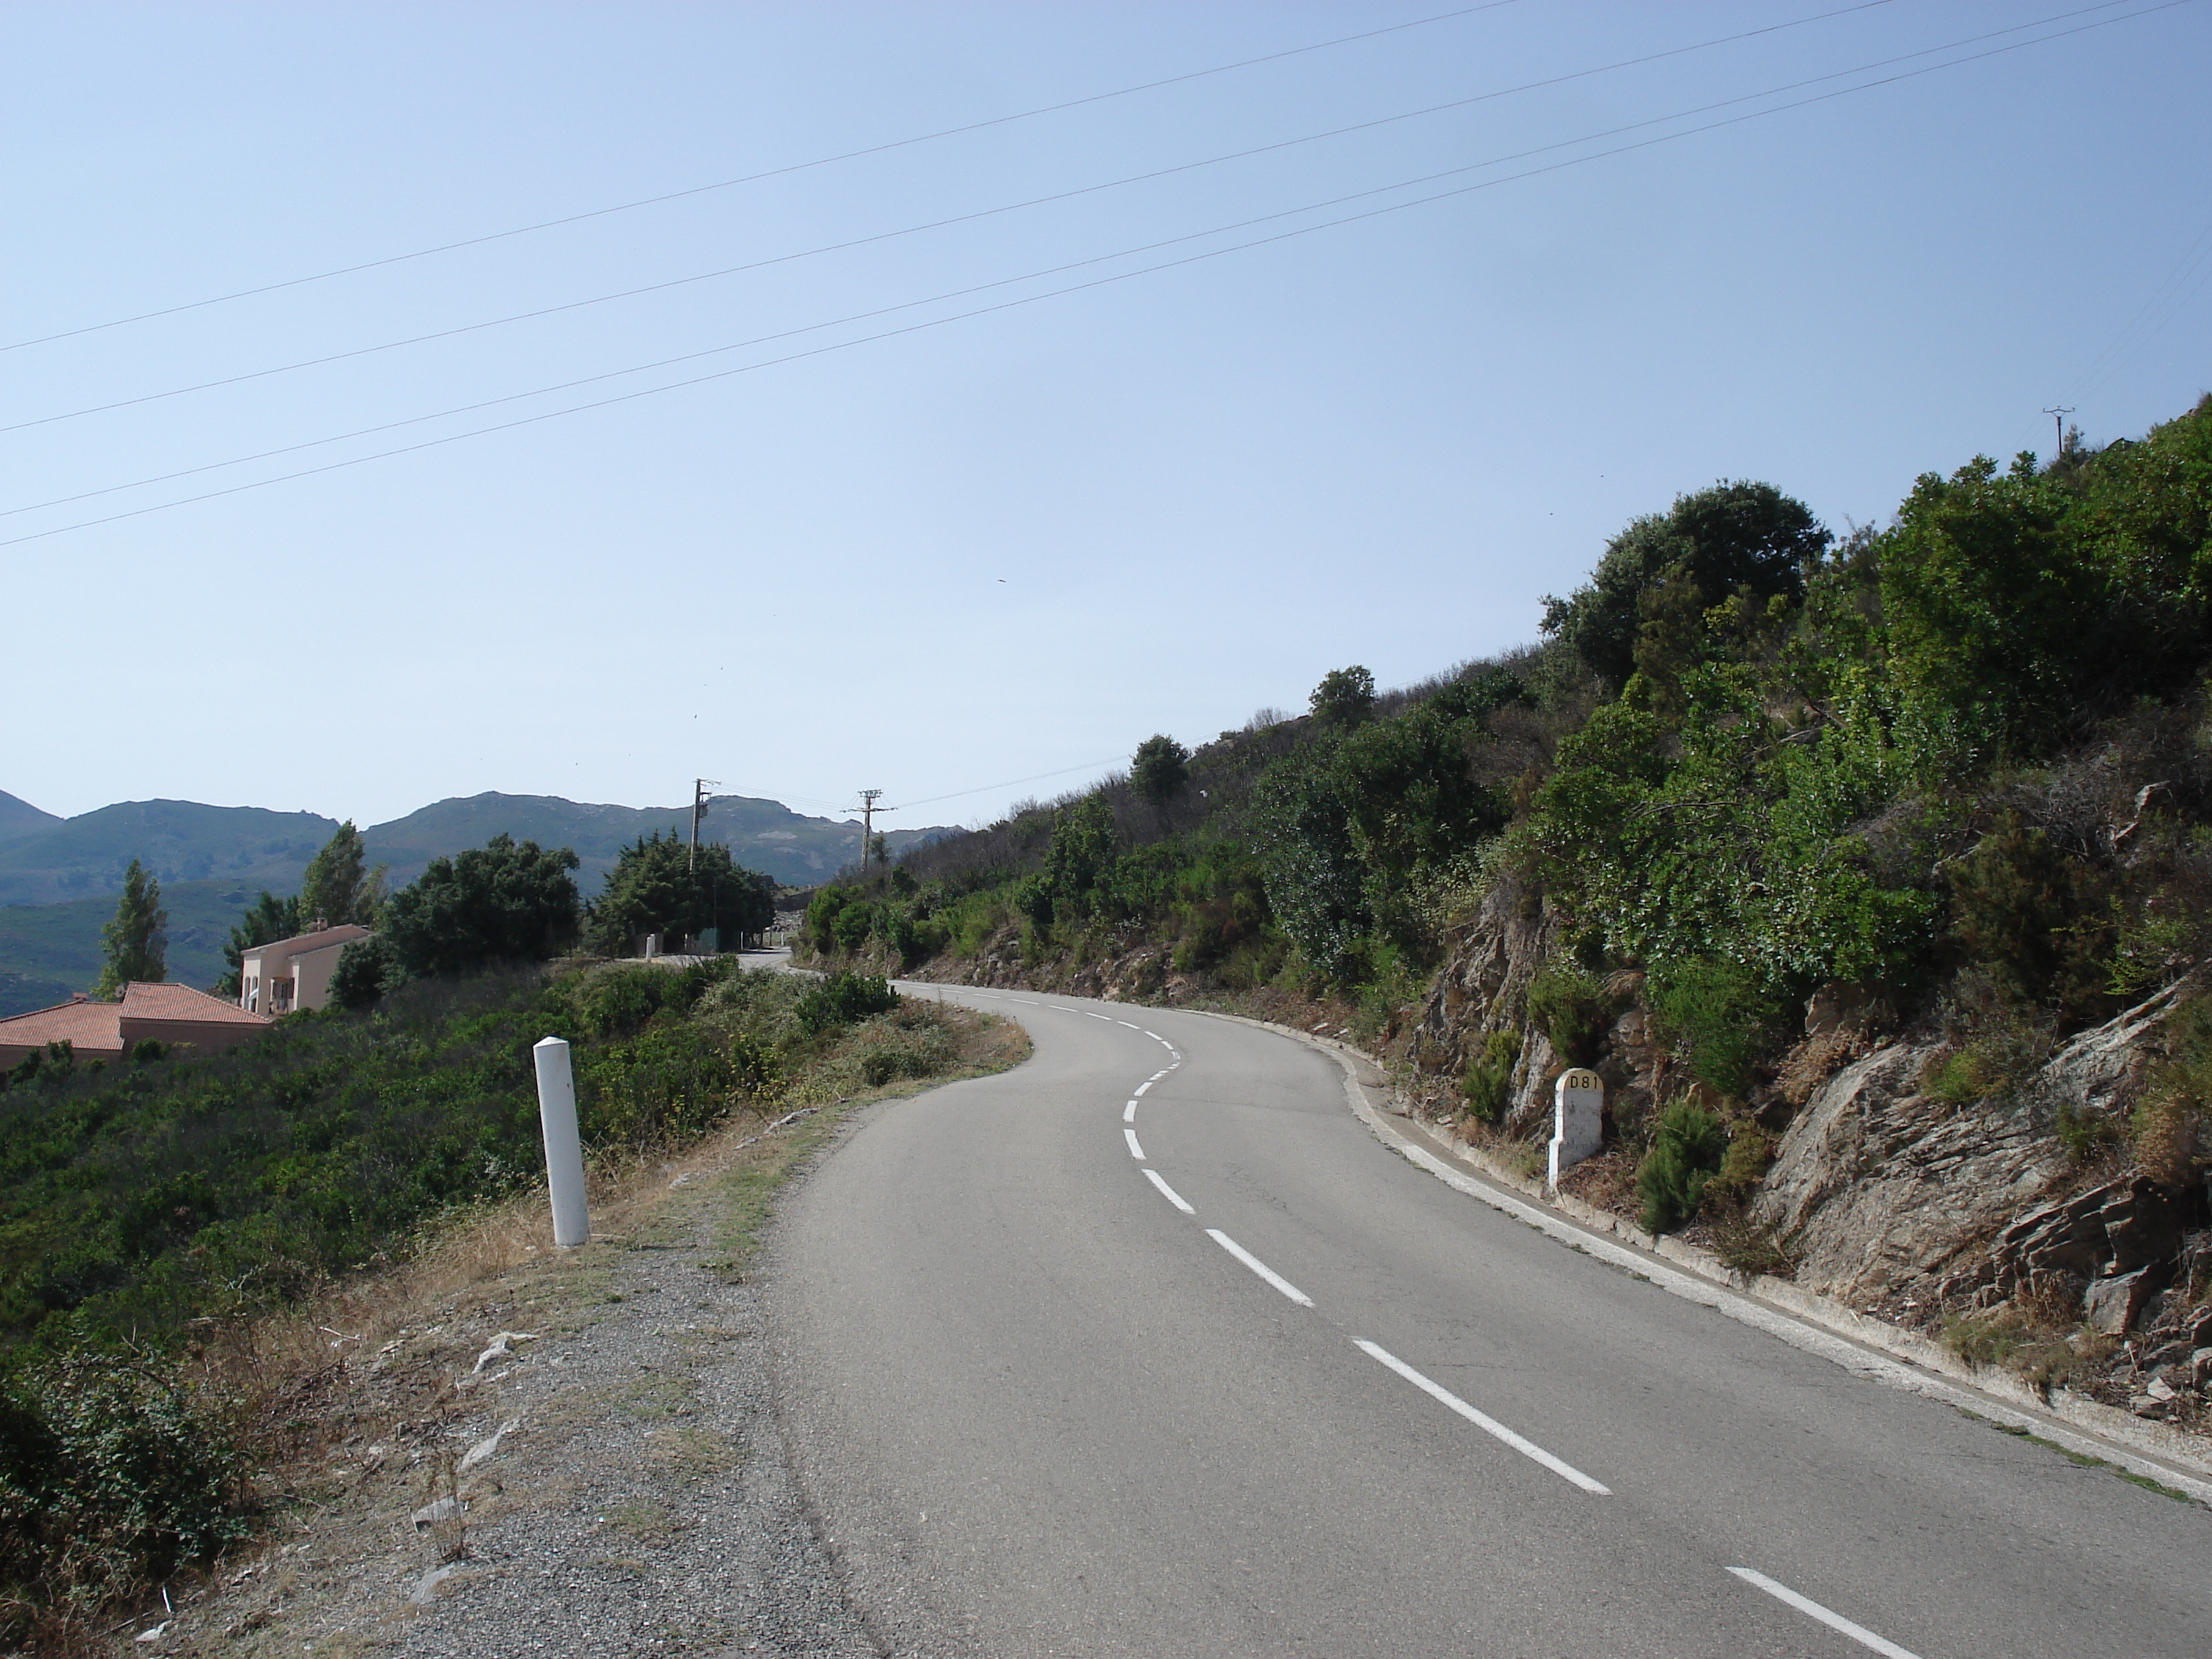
564 1151
1577 1122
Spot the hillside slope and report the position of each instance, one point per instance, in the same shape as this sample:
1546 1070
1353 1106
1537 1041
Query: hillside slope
1872 876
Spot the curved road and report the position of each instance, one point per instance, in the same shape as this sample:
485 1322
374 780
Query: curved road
1151 1347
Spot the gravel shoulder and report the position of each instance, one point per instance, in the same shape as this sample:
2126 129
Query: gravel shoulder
575 1452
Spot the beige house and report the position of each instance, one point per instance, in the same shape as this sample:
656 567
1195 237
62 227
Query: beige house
294 973
106 1030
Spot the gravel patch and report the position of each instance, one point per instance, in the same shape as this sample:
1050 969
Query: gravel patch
593 1466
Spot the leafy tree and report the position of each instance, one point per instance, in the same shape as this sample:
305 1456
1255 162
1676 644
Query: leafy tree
1315 884
268 920
365 971
1733 536
1081 857
503 902
1345 698
658 887
338 887
1161 769
137 940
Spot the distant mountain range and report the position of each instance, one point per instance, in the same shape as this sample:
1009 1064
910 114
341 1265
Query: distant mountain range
58 877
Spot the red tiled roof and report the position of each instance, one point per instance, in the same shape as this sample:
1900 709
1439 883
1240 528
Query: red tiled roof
182 1003
87 1027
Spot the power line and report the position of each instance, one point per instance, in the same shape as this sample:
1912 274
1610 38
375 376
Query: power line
962 218
1076 287
756 178
1034 777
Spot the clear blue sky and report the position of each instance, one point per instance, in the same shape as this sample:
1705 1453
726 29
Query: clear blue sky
1025 541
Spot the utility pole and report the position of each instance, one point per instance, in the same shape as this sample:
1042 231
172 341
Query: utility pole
2058 419
867 809
699 787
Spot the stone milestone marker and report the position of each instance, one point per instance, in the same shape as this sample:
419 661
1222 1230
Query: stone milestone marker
1577 1115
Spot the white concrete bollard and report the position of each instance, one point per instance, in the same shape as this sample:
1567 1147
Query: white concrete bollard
564 1151
1577 1122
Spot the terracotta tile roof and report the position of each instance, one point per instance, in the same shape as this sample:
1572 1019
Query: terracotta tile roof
90 1028
182 1003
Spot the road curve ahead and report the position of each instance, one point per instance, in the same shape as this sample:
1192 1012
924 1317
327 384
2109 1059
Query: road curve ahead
1149 1347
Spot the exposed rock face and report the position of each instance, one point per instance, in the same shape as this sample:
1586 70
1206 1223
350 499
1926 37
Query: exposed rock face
1879 1185
1483 987
1876 1184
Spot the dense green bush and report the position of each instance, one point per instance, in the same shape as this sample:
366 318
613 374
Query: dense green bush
112 1472
1568 1005
1487 1085
1715 1016
1688 1146
844 998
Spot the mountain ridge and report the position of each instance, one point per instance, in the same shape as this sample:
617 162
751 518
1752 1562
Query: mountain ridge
59 876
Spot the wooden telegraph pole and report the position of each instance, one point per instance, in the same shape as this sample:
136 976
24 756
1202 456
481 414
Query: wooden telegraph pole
867 809
699 787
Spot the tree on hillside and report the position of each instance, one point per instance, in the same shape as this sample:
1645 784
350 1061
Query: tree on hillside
338 887
271 918
503 902
1345 698
1160 770
137 940
1699 553
657 887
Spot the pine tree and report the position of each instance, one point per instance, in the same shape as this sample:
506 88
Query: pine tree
137 938
335 889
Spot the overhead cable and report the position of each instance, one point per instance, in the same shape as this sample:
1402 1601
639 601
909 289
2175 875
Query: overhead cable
1075 288
756 178
980 213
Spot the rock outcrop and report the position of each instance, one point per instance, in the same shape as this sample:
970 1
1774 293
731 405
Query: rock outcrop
1878 1185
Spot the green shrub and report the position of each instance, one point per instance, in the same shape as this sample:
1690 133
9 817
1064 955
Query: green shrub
111 1472
1688 1146
1750 1154
1714 1017
844 998
851 925
1568 1004
1488 1084
668 1083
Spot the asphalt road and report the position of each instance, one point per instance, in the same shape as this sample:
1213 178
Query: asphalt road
1040 1409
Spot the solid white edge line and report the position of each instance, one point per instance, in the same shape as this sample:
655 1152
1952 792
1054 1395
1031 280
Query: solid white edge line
1489 1426
1135 1150
1129 1112
1834 1621
1866 1363
1169 1193
1258 1267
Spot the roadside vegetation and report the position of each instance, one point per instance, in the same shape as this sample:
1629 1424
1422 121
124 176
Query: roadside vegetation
1952 774
156 1212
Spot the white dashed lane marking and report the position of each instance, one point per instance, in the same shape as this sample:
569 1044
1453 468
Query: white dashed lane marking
1489 1426
1258 1267
1129 1112
1834 1621
1135 1150
1169 1193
